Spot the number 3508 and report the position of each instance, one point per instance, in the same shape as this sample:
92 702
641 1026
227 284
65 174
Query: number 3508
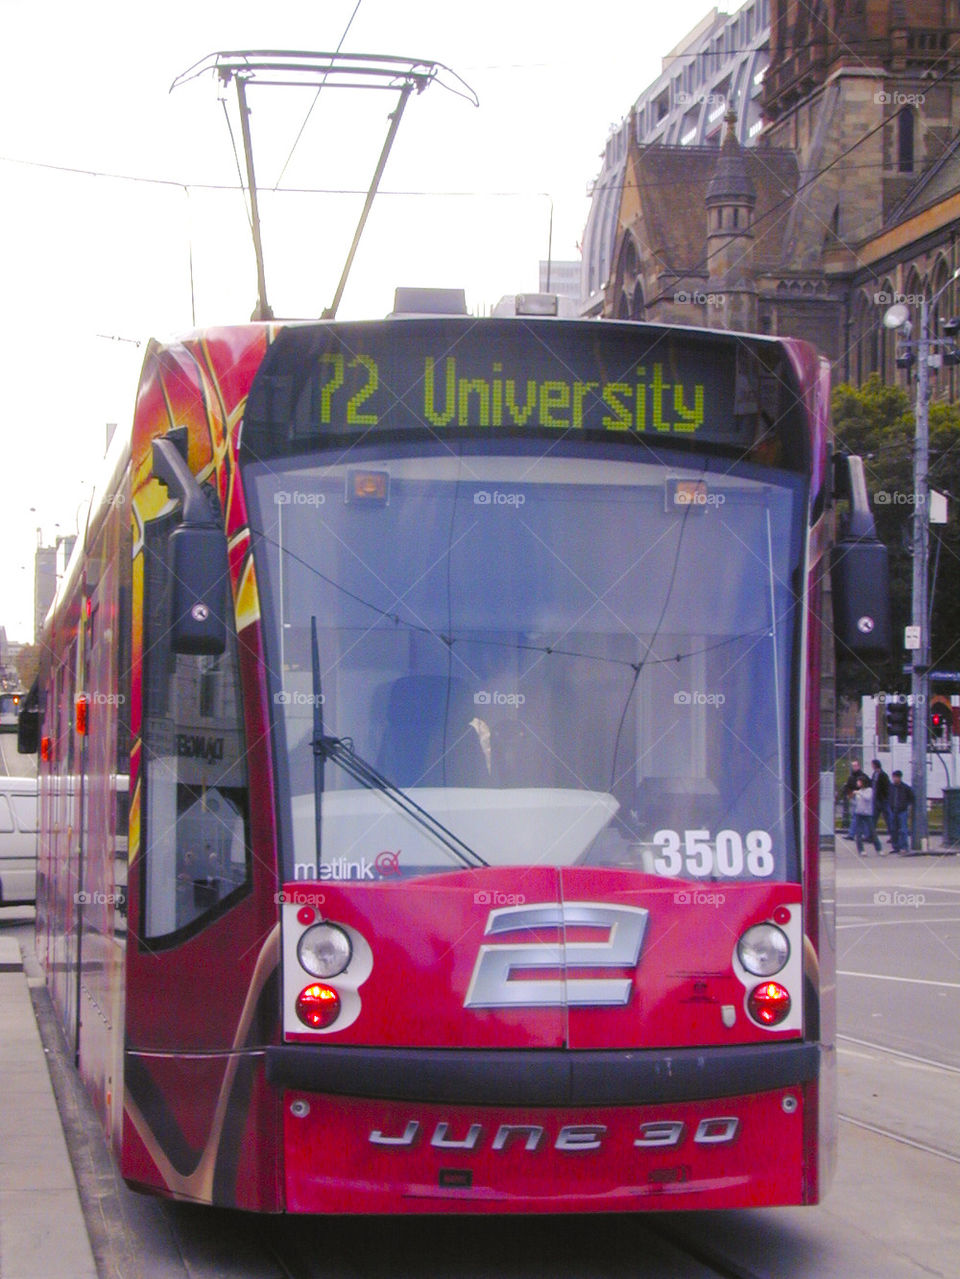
698 853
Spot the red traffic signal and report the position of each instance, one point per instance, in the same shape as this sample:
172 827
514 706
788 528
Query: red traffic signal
941 724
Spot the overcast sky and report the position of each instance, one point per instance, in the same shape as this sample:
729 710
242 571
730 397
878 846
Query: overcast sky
94 265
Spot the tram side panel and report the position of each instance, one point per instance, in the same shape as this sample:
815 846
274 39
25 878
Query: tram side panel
105 754
199 1121
818 693
58 912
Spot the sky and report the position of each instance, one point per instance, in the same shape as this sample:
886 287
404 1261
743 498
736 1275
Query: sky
123 220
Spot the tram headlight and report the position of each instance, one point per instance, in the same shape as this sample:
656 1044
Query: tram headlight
324 950
763 950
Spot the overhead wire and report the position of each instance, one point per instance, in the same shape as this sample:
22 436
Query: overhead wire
316 99
111 176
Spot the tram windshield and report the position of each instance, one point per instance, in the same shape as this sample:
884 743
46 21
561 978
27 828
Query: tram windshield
562 660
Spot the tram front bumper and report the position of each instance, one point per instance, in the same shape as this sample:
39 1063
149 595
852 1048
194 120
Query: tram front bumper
456 1135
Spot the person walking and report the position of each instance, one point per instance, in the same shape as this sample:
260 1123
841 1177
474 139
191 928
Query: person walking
849 789
900 802
880 783
863 814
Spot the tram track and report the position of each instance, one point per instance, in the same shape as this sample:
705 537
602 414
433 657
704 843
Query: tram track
899 1052
895 1136
590 1246
717 1263
879 1060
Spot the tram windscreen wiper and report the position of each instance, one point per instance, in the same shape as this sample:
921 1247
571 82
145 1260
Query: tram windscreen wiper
340 751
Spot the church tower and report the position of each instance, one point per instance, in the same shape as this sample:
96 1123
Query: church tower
730 201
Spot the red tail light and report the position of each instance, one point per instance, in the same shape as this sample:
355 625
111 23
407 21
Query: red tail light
318 1005
769 1003
82 708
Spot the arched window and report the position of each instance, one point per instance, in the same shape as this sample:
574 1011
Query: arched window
915 288
938 280
886 339
865 351
629 302
941 310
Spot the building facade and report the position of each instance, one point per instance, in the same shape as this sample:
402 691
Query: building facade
720 64
50 564
848 200
562 278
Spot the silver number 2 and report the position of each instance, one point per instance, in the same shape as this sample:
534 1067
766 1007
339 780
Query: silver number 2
491 987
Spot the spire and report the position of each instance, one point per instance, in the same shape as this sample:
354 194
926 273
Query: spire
731 182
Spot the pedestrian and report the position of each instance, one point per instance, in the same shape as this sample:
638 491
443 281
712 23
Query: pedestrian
900 801
863 814
880 783
850 786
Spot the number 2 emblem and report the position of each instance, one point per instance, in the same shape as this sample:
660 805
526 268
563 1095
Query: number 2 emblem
492 987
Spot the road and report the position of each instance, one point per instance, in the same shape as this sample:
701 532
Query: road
13 764
893 1211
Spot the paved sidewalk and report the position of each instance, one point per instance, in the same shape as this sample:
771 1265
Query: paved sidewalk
938 865
42 1231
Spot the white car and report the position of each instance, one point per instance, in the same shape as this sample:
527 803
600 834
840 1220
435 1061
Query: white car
18 840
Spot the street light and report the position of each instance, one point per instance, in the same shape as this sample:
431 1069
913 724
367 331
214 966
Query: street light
898 317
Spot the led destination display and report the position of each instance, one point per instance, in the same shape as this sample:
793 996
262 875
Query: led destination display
445 375
456 396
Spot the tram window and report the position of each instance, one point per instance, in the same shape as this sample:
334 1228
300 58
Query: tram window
196 833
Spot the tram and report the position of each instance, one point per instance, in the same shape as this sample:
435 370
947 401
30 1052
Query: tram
428 734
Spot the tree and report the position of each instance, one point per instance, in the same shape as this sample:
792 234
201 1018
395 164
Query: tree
28 664
877 422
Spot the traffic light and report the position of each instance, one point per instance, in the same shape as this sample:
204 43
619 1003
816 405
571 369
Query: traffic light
941 725
898 719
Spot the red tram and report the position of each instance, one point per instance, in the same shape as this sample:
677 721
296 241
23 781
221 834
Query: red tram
429 766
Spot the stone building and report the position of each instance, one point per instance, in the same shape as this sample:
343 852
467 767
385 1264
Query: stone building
719 65
849 200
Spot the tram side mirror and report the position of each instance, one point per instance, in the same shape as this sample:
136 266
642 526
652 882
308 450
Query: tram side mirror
861 599
28 731
196 557
859 570
199 575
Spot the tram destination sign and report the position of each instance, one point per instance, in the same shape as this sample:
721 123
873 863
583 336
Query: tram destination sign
439 376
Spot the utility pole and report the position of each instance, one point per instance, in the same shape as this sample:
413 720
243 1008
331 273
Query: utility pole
920 678
898 317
